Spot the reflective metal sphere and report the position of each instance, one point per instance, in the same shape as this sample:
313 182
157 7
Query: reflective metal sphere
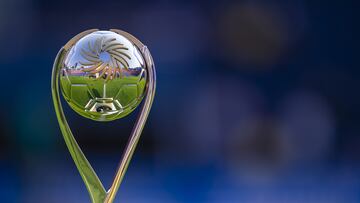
103 76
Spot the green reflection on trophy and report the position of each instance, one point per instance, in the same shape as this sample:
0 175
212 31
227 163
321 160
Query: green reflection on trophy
103 76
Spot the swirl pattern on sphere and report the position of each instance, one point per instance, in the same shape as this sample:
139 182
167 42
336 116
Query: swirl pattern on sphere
105 58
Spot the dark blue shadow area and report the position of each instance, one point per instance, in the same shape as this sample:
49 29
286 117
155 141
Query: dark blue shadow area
257 101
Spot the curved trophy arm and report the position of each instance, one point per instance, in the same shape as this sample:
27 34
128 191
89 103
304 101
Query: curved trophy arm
92 182
141 120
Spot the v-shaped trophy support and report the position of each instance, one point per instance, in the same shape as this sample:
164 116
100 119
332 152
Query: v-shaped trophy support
103 76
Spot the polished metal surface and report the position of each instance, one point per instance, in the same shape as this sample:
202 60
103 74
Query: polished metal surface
103 76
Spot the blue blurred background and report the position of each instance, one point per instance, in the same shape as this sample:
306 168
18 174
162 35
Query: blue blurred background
257 102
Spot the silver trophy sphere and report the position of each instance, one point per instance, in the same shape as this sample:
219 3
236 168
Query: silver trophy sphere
104 76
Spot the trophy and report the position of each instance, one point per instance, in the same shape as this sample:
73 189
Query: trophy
103 76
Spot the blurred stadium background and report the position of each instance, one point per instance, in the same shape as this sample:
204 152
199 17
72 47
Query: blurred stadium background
257 102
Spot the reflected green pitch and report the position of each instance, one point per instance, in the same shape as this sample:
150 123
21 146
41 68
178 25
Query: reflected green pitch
83 93
103 76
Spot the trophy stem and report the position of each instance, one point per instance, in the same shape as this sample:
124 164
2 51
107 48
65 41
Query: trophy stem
94 186
136 133
91 180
